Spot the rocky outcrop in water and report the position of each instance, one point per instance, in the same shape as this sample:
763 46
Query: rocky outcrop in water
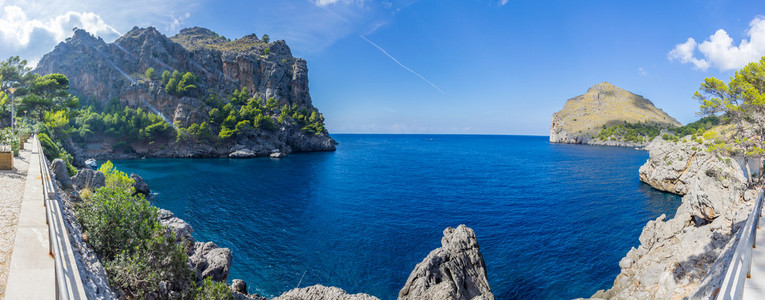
685 256
320 292
139 185
101 71
454 271
604 104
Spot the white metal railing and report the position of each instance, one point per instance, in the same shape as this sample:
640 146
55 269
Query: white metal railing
740 266
56 228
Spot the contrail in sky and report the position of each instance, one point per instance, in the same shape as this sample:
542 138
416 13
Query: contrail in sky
402 65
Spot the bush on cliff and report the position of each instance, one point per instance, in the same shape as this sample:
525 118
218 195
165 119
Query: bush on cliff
53 151
140 255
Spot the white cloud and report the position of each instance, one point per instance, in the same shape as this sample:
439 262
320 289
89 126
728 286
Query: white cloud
175 23
33 37
323 3
720 51
642 71
502 2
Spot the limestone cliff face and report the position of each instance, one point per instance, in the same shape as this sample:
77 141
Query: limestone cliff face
685 256
101 71
582 117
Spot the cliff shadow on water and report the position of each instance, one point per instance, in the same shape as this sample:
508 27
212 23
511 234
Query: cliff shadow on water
552 220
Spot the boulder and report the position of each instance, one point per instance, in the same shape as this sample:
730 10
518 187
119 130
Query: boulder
454 271
140 186
61 174
242 153
87 178
239 286
209 260
179 227
320 292
277 154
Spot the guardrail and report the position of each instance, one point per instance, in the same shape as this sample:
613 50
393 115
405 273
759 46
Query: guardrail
740 266
54 245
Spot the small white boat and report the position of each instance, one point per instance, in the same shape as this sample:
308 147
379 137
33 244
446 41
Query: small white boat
91 163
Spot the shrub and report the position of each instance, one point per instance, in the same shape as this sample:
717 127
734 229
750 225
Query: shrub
139 272
266 51
213 290
150 73
116 221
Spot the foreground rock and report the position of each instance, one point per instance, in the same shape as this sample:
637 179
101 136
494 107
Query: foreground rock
320 292
61 173
87 178
604 104
209 260
454 271
685 256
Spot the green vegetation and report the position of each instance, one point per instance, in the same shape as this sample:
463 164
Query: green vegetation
266 51
137 251
740 102
244 114
150 73
629 132
179 84
266 38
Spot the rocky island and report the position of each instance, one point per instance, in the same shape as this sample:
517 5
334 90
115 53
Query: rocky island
609 115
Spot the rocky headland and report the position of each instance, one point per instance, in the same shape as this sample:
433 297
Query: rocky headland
685 257
583 117
100 73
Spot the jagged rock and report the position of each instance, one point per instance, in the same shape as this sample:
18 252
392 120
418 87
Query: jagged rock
243 153
454 271
320 292
681 257
179 227
239 286
61 174
583 117
209 260
87 178
140 185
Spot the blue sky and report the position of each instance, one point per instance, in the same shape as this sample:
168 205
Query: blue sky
473 66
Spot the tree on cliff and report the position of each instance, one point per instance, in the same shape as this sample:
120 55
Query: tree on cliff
46 93
742 101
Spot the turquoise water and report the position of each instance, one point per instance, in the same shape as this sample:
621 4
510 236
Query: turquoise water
552 220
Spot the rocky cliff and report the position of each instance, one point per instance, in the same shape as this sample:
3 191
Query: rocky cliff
685 257
604 104
99 72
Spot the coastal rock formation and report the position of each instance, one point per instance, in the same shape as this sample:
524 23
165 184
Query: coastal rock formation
61 173
676 255
604 104
178 226
209 260
454 271
99 72
320 292
87 178
139 185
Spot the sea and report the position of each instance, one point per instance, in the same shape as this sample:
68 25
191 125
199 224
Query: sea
552 220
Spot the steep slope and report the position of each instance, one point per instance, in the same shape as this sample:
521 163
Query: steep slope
100 72
583 117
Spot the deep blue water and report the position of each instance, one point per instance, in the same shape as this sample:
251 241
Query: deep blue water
552 220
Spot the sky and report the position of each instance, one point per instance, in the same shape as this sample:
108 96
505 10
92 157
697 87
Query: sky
436 66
